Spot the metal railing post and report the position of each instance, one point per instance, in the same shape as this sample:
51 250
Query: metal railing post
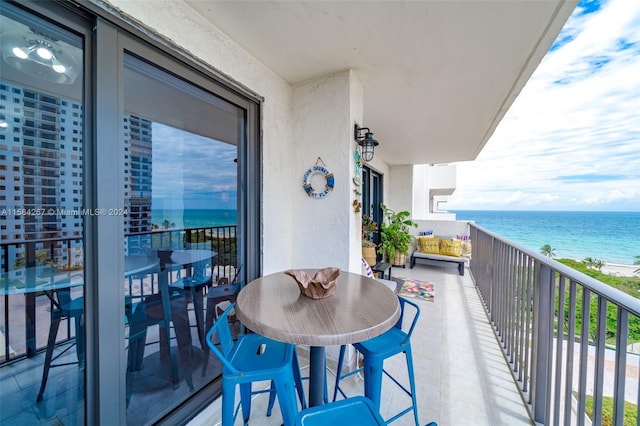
543 286
30 300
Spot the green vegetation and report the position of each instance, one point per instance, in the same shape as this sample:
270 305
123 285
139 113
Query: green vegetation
629 285
548 251
42 258
630 411
165 225
394 232
369 226
593 263
226 248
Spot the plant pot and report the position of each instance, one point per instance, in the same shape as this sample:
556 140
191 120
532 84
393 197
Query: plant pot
369 254
399 259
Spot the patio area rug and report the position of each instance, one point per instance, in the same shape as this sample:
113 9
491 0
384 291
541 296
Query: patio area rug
417 289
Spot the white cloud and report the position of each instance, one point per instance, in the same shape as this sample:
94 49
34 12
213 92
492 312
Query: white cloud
206 179
571 141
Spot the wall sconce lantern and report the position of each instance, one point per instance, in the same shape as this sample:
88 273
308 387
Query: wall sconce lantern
367 142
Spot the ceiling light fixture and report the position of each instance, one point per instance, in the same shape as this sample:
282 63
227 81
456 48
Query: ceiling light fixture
367 142
39 56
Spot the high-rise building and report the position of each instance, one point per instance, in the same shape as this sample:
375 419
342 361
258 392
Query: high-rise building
40 171
138 169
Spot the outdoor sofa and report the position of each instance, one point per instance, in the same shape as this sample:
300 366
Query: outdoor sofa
438 250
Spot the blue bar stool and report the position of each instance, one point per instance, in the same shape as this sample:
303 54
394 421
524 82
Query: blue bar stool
357 410
250 359
375 351
296 372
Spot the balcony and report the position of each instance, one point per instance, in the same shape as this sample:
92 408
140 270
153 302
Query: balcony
486 351
462 377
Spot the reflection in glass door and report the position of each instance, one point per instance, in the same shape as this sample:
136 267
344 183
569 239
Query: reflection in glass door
181 197
41 222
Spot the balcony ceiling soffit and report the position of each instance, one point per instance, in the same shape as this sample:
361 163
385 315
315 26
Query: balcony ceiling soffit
438 75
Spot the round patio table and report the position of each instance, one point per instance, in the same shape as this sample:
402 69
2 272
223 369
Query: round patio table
361 308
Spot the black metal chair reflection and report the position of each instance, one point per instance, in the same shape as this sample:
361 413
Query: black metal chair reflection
63 307
194 283
223 292
162 308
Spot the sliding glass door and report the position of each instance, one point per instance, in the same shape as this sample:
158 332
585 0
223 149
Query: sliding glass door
181 197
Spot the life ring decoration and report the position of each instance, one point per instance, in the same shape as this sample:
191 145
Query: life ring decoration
329 182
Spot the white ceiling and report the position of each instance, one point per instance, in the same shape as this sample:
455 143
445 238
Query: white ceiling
438 74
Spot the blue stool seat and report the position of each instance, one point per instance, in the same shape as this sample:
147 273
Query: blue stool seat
357 410
250 359
375 351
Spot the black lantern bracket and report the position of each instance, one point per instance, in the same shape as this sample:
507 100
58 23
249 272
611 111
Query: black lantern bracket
364 137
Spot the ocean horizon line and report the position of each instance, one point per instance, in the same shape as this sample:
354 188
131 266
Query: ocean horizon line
612 237
542 211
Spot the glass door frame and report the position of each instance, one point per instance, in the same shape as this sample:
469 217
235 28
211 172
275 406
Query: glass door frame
372 198
112 44
61 15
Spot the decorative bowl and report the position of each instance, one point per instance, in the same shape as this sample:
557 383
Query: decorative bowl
323 283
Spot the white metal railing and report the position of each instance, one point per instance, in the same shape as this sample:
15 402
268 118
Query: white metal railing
537 307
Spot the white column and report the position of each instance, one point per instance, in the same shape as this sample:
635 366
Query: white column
326 231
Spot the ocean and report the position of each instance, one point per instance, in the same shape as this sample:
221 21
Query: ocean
194 218
612 237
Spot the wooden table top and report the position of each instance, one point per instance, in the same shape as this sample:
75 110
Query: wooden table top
361 308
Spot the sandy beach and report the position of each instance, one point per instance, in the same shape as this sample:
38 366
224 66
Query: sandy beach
619 270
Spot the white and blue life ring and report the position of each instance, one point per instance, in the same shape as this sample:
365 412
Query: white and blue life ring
329 182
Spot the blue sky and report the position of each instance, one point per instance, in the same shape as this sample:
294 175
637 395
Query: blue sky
571 140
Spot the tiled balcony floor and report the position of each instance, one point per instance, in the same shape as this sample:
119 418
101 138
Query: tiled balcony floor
461 375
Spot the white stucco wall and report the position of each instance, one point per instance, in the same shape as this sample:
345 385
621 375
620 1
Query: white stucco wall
324 110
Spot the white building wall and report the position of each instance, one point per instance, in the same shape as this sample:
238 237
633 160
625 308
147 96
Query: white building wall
399 188
432 186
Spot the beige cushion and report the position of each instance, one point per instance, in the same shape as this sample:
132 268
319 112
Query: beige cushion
451 247
429 245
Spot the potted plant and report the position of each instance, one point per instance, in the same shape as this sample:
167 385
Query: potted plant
369 226
395 237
